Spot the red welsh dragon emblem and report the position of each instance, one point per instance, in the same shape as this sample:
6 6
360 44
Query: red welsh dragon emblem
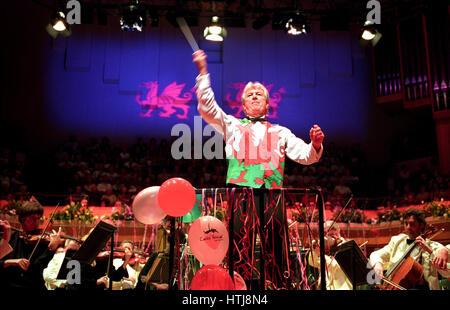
169 100
236 104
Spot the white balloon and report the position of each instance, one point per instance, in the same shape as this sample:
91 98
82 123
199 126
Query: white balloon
208 240
146 208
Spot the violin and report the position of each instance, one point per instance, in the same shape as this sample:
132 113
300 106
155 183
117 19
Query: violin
119 252
36 236
330 243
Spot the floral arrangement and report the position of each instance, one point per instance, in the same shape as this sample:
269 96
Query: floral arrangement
11 207
436 209
77 212
124 214
388 216
302 214
350 216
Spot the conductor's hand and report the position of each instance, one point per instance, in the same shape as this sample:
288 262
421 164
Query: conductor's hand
316 136
199 58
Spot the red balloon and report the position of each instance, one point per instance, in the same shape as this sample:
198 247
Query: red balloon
212 277
176 197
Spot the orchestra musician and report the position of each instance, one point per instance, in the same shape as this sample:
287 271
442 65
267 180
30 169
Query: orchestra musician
432 255
5 236
335 276
130 281
53 268
95 275
23 266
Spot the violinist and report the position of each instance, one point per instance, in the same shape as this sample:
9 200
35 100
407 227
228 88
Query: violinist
335 276
50 273
129 281
430 254
5 235
22 268
95 275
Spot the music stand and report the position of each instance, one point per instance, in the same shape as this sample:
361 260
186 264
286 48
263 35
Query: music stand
94 243
352 261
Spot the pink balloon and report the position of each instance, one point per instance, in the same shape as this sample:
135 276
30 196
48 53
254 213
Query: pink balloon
212 277
146 208
208 240
176 197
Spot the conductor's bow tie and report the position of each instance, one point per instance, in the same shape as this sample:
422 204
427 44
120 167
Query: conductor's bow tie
258 119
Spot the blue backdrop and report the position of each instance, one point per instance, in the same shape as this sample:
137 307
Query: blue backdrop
104 82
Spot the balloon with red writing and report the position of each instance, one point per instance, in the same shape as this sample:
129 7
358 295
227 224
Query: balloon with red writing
212 277
146 208
176 197
208 240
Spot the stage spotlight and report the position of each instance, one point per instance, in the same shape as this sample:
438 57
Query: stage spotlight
133 17
58 25
370 33
297 24
215 31
261 21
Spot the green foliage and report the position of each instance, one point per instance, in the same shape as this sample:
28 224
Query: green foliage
11 207
350 216
436 209
221 212
389 216
75 211
124 214
301 215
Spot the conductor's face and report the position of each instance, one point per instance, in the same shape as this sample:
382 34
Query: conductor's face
255 104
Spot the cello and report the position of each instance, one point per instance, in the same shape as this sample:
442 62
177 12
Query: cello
406 272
